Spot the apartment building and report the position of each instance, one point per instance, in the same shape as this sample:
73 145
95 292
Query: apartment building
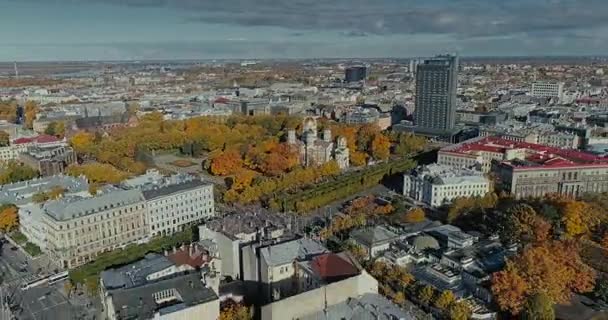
77 229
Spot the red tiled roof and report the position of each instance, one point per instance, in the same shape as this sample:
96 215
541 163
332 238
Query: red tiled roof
43 138
221 100
331 265
193 258
540 154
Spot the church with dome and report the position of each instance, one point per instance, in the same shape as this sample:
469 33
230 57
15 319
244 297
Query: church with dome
315 151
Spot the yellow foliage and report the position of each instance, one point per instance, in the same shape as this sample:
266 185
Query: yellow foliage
9 219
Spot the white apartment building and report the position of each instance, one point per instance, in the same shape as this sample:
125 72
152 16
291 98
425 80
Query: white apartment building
544 89
77 229
437 185
173 206
21 145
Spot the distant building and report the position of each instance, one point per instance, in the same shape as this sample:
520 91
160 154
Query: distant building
314 151
20 145
436 84
531 170
48 160
544 89
361 116
355 73
437 185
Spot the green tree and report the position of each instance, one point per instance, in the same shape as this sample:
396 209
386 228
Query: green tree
601 289
459 311
538 307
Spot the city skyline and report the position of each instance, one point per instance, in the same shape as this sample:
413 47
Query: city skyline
68 30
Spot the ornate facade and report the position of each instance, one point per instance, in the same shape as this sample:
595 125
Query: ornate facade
314 151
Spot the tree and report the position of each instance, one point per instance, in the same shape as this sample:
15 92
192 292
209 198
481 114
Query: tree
132 108
426 295
538 307
554 268
56 128
358 159
409 143
399 298
445 300
83 143
380 147
30 111
226 163
14 171
459 311
9 219
579 218
414 215
234 311
68 287
4 139
604 241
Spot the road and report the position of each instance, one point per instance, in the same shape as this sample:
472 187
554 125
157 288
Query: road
42 302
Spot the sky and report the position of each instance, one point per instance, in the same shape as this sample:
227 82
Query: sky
51 30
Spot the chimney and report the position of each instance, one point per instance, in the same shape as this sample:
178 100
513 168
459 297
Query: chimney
166 253
191 250
174 249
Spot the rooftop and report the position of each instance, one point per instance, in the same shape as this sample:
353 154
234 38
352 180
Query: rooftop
134 274
290 251
21 192
370 306
72 207
372 236
538 155
164 297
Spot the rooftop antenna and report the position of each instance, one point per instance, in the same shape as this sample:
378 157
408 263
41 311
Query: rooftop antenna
16 71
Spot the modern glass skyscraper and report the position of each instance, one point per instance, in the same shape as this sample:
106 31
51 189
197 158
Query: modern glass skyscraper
436 84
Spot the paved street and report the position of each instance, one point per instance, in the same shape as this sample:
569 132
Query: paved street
45 302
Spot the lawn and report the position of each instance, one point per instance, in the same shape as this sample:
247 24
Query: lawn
32 249
18 237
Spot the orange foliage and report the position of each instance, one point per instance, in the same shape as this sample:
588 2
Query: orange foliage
414 215
554 268
381 147
9 219
226 163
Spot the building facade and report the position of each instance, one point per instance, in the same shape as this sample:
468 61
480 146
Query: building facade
48 160
173 206
544 89
437 185
436 84
78 229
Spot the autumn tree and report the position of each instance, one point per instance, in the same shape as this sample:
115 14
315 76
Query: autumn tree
226 163
538 307
408 143
235 311
414 215
4 139
83 143
358 159
98 173
445 300
426 295
380 147
459 310
30 111
554 268
579 218
9 219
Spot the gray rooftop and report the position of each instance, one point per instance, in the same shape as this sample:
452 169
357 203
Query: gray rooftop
373 236
73 207
140 303
21 193
173 188
134 274
287 252
369 306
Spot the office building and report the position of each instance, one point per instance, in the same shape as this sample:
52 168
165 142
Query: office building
436 84
355 73
544 89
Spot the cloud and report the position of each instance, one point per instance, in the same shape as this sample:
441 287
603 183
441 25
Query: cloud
462 18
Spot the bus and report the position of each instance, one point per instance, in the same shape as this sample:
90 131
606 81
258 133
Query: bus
58 277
